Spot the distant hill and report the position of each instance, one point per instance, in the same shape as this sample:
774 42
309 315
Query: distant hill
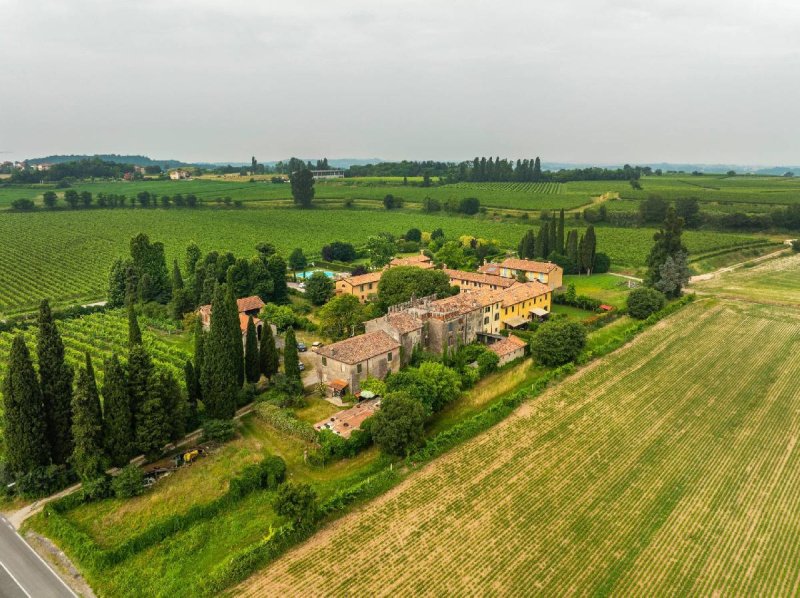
116 158
688 167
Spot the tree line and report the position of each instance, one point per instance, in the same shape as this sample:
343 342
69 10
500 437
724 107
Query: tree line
575 253
89 168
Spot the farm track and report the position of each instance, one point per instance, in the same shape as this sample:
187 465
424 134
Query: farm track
650 472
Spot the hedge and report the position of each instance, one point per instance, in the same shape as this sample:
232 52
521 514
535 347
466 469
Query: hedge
284 421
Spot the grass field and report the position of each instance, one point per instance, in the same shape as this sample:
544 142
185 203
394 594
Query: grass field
669 467
66 255
771 281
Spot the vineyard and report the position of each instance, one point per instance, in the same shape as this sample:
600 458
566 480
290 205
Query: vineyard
670 467
543 188
66 255
102 334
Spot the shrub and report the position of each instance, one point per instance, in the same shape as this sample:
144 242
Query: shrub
23 205
644 301
296 502
97 488
219 430
398 427
264 475
129 482
602 263
558 342
796 245
284 421
43 481
487 363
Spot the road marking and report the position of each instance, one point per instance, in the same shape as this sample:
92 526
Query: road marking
38 556
14 579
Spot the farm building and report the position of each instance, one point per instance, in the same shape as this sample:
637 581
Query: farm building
344 422
523 302
508 349
545 272
343 365
362 286
420 261
178 175
476 280
327 174
404 327
247 306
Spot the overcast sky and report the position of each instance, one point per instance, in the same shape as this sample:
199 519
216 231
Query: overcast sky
569 80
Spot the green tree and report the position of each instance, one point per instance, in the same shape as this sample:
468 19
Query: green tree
277 272
221 362
674 275
88 455
302 188
527 246
118 283
319 288
134 332
117 416
572 246
268 358
296 502
149 261
653 209
380 249
401 283
291 360
129 482
193 396
432 384
55 379
25 427
341 317
174 405
644 301
398 427
543 241
688 208
50 199
152 426
587 248
251 357
298 260
453 255
667 242
413 234
560 247
558 342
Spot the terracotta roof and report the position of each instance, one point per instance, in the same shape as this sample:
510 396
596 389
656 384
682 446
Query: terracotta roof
461 304
490 268
404 322
344 422
507 345
480 278
528 265
522 291
360 348
363 278
421 261
249 303
338 384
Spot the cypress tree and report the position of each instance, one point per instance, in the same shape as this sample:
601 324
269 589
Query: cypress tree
177 277
117 417
540 240
140 369
134 332
235 332
174 405
25 428
219 366
152 429
207 292
590 249
192 396
268 358
552 244
572 246
667 244
537 169
560 240
55 378
199 351
291 359
117 283
88 456
251 356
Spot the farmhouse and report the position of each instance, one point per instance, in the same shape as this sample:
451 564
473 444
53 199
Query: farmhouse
344 422
404 327
508 349
363 286
476 280
327 174
524 301
343 365
420 261
545 272
177 175
247 306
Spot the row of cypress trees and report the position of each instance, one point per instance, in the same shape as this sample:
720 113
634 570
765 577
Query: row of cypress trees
550 242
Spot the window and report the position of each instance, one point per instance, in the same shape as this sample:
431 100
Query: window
358 368
370 286
487 309
389 357
496 316
486 320
324 361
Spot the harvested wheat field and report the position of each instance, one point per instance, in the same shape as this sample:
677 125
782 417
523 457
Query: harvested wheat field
771 281
669 467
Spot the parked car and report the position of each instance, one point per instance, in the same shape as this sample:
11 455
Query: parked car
301 366
302 347
316 344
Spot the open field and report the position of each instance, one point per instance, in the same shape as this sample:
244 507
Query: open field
66 255
649 473
771 281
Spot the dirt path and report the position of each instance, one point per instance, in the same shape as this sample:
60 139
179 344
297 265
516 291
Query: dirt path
715 273
596 201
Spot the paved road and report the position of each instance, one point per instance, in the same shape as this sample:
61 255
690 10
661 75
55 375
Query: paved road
23 573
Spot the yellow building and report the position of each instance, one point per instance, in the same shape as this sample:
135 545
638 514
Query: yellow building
523 302
545 272
468 281
363 286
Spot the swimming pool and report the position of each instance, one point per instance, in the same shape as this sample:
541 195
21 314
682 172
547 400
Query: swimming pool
308 273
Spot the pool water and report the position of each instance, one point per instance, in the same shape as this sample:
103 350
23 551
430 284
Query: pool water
308 273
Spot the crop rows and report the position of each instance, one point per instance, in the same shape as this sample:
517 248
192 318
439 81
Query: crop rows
649 474
101 335
517 187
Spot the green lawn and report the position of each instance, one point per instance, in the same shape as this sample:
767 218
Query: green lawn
608 288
